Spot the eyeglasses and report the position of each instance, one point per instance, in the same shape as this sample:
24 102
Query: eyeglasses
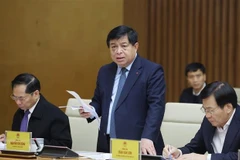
210 111
20 98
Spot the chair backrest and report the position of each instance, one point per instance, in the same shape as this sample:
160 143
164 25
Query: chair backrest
237 90
84 134
181 122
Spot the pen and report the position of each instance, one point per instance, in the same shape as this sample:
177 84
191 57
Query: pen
38 147
169 152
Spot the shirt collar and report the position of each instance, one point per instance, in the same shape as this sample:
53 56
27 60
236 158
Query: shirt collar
34 106
228 122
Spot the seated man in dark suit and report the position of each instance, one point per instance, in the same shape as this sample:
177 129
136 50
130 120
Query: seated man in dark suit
219 134
35 114
196 77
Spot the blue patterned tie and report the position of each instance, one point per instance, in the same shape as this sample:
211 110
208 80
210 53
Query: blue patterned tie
119 90
24 123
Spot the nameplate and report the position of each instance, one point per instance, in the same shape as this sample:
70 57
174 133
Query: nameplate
18 141
125 149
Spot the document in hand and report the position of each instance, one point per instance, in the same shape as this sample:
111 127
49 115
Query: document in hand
2 146
85 106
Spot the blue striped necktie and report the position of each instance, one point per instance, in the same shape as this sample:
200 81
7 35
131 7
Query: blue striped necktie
119 90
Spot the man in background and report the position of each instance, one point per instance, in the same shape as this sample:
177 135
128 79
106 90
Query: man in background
129 95
35 114
196 77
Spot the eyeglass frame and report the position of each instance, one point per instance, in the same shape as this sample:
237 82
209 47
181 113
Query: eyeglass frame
210 111
20 98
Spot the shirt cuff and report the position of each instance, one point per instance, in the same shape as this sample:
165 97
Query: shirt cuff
209 157
92 117
180 153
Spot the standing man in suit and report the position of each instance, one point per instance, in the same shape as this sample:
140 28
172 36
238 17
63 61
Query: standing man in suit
219 134
137 112
35 114
196 77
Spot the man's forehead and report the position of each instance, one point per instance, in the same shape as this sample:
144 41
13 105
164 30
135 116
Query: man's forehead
210 101
195 72
19 88
123 39
208 107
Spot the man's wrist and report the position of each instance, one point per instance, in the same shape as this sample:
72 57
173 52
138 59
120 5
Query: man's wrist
179 153
208 156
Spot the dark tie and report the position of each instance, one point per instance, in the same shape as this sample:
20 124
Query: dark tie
24 122
119 90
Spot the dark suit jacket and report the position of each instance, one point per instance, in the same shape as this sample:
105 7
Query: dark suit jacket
48 122
188 97
141 105
201 143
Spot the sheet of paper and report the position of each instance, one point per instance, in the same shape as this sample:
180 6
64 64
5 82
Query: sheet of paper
2 146
95 155
85 106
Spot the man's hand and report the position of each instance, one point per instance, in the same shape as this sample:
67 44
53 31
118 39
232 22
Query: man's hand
84 114
147 147
193 156
170 151
2 137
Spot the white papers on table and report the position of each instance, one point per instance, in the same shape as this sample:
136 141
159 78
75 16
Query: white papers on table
94 155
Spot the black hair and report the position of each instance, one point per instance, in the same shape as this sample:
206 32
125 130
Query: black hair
193 67
31 82
121 31
222 92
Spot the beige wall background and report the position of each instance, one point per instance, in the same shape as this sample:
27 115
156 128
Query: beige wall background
62 42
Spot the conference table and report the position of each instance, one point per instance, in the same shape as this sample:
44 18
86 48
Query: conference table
83 155
39 158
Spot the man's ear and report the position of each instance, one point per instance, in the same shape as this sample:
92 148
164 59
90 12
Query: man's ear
136 45
36 93
228 107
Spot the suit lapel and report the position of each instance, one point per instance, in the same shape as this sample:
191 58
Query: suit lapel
133 75
233 129
37 113
211 130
